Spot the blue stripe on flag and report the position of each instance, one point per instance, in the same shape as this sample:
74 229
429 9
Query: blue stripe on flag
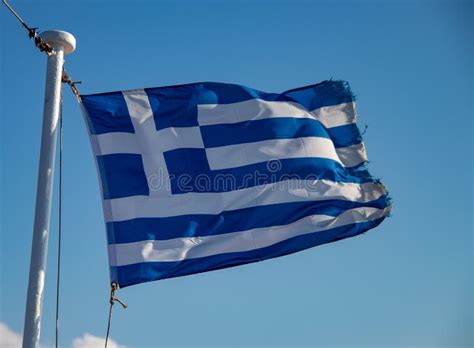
277 128
122 175
200 225
266 129
346 135
149 271
323 94
189 172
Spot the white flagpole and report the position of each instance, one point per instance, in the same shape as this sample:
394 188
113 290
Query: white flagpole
62 43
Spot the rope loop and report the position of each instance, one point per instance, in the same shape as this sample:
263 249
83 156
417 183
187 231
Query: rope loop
114 287
72 84
113 298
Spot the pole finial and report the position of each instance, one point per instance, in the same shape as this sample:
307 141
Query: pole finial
59 40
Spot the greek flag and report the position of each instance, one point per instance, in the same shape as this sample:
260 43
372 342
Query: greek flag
208 175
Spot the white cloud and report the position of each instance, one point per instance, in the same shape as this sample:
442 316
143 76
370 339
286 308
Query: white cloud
9 338
12 339
90 341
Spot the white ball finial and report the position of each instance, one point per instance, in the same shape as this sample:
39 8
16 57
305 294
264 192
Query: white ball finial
60 40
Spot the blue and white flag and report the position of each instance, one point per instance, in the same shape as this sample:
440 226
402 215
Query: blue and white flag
205 176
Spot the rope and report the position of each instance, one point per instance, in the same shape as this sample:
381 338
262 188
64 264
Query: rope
58 271
67 79
112 300
108 323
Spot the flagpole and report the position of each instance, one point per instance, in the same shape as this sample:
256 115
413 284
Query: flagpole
62 43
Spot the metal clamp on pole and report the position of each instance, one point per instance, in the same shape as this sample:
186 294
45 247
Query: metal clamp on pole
62 43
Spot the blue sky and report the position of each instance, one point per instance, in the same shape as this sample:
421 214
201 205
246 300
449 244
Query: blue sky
408 283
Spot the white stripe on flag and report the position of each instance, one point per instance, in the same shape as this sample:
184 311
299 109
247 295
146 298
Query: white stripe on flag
258 109
352 155
179 249
120 209
167 139
110 143
336 115
232 156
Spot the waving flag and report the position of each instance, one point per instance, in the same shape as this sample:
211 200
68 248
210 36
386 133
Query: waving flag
205 176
